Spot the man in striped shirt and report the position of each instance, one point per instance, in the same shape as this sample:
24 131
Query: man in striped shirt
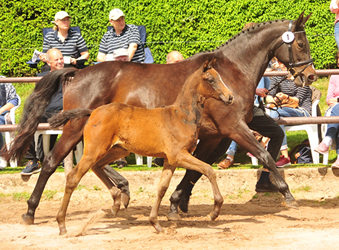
71 44
121 36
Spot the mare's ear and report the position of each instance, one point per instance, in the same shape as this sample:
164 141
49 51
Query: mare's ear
302 20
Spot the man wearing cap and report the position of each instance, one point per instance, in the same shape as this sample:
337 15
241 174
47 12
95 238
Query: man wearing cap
71 44
121 36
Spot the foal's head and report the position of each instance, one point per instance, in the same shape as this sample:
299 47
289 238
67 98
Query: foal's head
213 86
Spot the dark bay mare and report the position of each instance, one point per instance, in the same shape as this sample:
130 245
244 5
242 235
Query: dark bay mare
241 63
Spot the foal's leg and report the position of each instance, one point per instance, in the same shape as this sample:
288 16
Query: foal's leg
164 182
72 181
93 153
183 191
186 160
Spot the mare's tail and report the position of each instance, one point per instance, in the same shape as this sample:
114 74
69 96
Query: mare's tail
62 118
34 109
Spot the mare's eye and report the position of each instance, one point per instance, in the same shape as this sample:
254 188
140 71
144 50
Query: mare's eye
300 45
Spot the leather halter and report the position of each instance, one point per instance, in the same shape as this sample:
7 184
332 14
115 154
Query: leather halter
291 64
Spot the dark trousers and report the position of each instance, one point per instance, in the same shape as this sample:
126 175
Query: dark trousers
267 127
38 154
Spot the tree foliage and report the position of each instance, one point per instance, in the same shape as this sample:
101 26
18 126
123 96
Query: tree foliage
188 26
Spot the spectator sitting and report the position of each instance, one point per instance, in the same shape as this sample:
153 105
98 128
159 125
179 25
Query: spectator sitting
174 57
332 100
8 100
291 101
121 36
71 44
55 61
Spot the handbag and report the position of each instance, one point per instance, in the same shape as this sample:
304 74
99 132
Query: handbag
289 102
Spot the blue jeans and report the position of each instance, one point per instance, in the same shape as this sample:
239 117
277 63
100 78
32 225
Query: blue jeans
332 129
336 34
264 83
2 122
232 149
288 112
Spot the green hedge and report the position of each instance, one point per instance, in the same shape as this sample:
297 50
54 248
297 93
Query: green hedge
187 26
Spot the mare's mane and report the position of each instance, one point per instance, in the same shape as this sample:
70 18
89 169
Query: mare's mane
242 32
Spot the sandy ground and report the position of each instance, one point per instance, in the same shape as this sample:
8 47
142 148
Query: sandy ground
248 220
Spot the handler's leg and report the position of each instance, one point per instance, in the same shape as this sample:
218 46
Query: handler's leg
267 127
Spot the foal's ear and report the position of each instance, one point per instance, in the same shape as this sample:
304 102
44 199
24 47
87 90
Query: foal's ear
205 67
209 64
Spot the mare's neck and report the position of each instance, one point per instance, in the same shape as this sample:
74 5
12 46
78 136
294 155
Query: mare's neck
251 50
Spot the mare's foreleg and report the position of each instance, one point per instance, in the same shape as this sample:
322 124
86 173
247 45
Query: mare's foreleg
61 149
189 162
181 195
164 182
246 139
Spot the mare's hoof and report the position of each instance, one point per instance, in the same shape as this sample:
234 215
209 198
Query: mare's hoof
173 217
291 204
125 199
212 216
29 220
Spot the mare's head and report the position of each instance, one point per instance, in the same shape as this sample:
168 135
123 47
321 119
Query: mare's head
294 52
212 84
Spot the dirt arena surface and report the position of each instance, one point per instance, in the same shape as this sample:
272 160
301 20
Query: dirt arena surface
248 220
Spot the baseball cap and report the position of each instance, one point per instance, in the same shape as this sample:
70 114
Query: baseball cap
115 14
60 15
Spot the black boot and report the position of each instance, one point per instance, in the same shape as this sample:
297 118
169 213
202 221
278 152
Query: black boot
264 185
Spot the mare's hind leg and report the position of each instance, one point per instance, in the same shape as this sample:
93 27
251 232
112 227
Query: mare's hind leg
165 179
117 195
186 160
65 144
120 182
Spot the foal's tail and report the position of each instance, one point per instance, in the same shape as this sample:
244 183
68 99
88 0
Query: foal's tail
61 119
34 109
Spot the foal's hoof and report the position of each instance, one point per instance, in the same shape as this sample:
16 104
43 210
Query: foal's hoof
125 199
212 216
29 220
290 204
173 217
62 231
115 210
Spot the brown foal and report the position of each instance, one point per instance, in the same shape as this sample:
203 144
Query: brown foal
170 132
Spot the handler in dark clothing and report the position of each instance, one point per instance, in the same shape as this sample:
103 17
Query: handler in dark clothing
267 127
55 61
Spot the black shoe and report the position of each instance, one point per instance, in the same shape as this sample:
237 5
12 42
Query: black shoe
32 167
159 162
184 200
267 187
121 163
